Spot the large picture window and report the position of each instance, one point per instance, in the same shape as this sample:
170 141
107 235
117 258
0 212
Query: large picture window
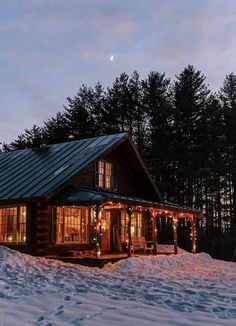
104 175
72 225
13 224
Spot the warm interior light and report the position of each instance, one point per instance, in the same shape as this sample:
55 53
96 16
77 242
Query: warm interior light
132 229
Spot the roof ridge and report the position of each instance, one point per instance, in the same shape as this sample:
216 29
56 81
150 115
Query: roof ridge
64 142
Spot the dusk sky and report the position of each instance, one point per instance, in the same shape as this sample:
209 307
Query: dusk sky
48 48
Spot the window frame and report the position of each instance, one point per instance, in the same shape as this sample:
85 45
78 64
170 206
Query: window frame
106 177
83 210
19 224
137 225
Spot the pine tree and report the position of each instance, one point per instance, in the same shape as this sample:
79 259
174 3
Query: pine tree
56 130
157 105
228 99
96 108
211 170
136 114
190 99
31 138
77 114
117 106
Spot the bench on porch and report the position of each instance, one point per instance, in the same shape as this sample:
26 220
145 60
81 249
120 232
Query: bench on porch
140 244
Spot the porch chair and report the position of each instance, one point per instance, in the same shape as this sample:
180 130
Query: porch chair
140 244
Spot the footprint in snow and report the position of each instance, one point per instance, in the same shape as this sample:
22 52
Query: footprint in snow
40 318
110 308
189 291
59 312
60 307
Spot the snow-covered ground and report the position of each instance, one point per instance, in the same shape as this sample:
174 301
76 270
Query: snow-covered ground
163 290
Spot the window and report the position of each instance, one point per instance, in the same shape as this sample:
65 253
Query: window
136 225
104 175
72 225
13 224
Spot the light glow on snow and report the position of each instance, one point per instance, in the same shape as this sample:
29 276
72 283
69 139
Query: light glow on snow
184 289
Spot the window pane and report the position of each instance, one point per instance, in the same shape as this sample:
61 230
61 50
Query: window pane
22 224
108 169
140 225
59 225
11 217
124 234
84 226
108 175
101 167
72 218
101 180
133 225
108 182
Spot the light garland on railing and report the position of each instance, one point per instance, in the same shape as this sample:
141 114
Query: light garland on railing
98 233
175 220
193 237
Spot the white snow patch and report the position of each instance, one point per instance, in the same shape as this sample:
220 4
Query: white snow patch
182 289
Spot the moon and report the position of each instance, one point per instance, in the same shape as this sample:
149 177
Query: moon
111 57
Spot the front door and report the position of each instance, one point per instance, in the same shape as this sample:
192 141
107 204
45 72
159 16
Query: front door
115 231
106 231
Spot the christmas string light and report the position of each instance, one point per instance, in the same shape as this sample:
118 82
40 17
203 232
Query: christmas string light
175 221
97 230
193 237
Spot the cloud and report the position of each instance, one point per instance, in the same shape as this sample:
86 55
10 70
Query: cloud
48 48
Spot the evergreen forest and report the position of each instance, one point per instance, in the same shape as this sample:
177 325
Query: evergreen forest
185 133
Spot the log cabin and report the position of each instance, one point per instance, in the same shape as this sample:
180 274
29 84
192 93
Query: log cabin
92 196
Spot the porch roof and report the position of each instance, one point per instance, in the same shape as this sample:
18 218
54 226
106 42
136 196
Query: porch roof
86 196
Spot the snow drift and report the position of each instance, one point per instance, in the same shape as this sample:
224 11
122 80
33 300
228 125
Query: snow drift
185 283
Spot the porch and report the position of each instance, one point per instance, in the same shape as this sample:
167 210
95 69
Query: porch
116 222
103 259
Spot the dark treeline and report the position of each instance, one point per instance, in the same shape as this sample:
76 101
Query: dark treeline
185 133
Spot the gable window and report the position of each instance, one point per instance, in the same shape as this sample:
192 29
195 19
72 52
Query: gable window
72 225
13 224
104 175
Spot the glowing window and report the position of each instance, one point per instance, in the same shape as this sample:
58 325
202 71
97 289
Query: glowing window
13 224
136 225
72 225
104 175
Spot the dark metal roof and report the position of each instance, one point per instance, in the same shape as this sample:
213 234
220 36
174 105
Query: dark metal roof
75 195
34 173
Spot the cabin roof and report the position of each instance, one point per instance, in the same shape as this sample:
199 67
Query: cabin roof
35 173
87 196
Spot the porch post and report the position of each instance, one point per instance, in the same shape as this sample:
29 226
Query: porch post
129 212
175 225
193 235
98 230
154 230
